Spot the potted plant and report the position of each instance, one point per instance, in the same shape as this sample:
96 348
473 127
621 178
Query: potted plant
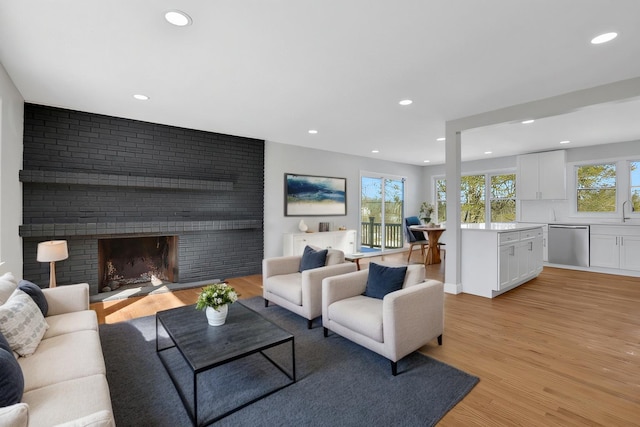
426 209
215 300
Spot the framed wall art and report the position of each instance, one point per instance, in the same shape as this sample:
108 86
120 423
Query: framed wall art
308 195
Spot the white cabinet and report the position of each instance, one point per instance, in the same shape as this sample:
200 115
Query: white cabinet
630 253
494 262
615 247
531 250
520 257
508 259
294 243
541 176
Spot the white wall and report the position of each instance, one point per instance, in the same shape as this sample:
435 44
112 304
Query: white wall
11 126
282 158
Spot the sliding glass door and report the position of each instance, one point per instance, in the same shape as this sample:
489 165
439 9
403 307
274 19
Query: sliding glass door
381 212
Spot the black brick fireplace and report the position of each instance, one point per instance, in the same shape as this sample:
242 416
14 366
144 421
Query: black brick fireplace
89 177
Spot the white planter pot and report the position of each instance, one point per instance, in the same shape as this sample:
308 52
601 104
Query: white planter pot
217 317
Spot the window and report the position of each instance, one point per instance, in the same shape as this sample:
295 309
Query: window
381 212
634 183
472 198
500 189
441 200
596 188
503 198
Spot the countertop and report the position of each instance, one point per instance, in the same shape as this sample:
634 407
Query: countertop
500 226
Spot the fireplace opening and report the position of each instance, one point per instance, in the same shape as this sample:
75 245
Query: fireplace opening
137 261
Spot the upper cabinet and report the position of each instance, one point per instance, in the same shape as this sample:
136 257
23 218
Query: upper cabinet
541 176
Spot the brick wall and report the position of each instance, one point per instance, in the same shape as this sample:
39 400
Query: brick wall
87 176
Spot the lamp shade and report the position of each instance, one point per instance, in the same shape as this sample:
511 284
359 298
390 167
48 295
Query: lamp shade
54 250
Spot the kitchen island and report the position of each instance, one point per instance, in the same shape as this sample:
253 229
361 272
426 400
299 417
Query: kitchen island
498 257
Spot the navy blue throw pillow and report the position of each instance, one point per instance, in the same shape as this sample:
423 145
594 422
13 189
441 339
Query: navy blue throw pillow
383 280
36 295
312 259
11 379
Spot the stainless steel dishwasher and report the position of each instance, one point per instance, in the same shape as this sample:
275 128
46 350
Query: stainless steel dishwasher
569 244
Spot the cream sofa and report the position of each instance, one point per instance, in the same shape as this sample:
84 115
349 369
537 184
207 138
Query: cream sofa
64 380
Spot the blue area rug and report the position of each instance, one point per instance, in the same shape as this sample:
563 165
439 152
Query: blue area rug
338 382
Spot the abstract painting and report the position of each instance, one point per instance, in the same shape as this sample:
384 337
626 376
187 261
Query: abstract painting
307 195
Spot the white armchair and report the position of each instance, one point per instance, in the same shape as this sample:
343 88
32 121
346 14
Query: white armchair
395 326
300 293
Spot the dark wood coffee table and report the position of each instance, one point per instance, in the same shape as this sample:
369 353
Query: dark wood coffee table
205 347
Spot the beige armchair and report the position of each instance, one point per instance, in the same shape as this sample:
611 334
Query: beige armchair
300 293
395 326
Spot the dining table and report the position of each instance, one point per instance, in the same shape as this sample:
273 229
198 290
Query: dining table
432 234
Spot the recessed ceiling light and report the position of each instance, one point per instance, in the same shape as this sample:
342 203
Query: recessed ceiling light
564 142
375 151
140 97
488 152
313 131
178 18
405 102
441 139
526 122
603 38
427 161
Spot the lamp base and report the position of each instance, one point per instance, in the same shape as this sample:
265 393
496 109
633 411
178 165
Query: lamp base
52 274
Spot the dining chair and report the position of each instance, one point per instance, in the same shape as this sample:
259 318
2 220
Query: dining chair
414 237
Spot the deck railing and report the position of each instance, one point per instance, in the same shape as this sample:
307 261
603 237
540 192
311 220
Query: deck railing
371 233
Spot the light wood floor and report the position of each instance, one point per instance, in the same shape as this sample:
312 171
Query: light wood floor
563 349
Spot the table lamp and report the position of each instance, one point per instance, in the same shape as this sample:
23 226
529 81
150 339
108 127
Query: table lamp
52 251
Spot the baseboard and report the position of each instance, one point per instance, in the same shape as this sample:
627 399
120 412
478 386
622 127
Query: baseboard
453 288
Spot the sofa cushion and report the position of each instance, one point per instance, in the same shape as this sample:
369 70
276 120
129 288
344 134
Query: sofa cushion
22 323
36 295
62 358
8 284
97 419
360 314
287 286
85 320
312 259
334 256
11 379
383 280
15 415
69 401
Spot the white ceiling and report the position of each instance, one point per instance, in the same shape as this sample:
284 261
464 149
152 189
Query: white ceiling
275 69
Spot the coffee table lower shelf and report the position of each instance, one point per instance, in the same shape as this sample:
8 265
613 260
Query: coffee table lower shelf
208 352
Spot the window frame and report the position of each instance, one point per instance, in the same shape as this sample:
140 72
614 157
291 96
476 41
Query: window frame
487 190
616 187
623 188
491 198
632 214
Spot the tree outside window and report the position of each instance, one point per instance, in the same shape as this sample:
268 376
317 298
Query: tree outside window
634 169
473 195
596 188
441 200
472 198
503 198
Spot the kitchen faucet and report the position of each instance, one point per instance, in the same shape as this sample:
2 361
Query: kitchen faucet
624 218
